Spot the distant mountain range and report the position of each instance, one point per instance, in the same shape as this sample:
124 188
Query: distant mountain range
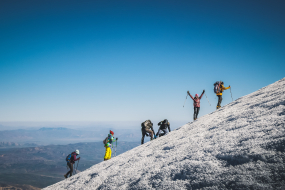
61 135
14 144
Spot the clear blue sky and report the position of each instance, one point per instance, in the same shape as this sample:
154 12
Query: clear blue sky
70 60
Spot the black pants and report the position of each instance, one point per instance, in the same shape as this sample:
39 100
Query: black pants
219 100
70 165
196 112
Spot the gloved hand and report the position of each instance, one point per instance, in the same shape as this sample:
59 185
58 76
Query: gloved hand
188 92
230 86
116 138
203 91
79 158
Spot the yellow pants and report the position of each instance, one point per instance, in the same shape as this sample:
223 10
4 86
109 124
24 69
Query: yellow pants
108 153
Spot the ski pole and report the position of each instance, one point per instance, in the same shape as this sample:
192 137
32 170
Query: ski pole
231 94
185 100
207 98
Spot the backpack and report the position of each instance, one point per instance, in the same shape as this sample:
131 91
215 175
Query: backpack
146 124
217 87
164 124
68 158
105 141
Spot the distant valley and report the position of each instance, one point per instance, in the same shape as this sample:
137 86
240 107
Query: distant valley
41 166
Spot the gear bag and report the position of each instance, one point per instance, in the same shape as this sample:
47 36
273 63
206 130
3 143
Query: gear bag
105 141
147 124
217 87
68 158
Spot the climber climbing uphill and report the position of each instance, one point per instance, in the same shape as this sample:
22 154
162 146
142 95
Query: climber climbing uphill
218 89
196 103
147 130
70 159
163 125
108 143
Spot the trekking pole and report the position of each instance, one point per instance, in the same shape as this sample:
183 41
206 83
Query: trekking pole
116 149
185 100
231 94
77 166
207 98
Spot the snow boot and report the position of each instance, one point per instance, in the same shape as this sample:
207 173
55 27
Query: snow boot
65 176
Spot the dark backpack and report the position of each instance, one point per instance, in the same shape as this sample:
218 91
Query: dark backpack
164 124
105 141
217 87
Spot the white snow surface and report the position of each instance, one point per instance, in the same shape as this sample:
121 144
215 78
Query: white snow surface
239 146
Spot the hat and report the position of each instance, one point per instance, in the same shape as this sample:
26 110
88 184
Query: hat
111 132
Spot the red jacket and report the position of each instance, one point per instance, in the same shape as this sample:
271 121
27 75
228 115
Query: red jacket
196 100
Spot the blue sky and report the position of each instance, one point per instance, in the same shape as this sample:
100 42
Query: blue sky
133 60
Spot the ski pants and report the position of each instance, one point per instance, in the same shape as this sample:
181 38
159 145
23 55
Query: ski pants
70 165
196 112
165 132
144 131
219 100
108 153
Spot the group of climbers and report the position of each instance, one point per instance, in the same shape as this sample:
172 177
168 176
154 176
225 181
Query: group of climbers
218 90
147 129
108 142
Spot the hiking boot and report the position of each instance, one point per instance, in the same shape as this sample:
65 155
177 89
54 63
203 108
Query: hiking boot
65 176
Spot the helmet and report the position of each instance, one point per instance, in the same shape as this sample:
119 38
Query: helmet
77 151
111 132
196 95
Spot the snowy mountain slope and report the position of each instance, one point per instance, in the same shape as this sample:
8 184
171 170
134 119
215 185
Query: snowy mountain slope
240 146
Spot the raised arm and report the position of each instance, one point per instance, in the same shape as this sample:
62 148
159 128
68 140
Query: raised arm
202 94
190 95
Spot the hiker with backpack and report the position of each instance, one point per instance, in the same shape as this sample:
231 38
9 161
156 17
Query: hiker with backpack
218 89
70 159
196 103
163 126
147 130
108 143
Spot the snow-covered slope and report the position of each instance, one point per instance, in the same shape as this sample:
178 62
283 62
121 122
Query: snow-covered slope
240 146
